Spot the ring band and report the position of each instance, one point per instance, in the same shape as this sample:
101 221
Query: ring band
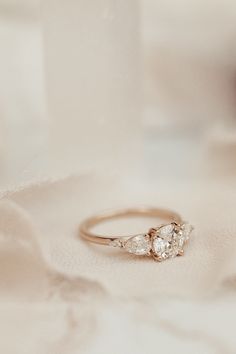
161 242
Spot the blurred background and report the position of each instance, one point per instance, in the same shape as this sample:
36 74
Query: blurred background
146 89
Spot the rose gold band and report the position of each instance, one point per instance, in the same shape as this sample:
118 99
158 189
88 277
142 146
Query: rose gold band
88 224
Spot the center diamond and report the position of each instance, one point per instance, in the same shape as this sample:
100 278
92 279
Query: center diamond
168 240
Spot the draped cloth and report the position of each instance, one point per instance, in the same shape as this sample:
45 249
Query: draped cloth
60 294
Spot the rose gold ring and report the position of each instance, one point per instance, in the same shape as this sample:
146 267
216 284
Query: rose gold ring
164 241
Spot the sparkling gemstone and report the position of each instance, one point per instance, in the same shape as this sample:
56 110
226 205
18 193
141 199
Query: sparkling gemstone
181 241
174 249
115 243
165 249
139 245
159 245
168 241
166 232
186 231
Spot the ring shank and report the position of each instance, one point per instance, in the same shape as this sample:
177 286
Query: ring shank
88 224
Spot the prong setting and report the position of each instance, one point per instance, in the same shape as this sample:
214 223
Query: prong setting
168 240
180 253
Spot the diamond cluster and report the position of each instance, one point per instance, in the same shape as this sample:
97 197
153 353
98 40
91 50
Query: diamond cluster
164 242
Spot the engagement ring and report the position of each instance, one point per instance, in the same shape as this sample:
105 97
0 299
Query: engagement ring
166 240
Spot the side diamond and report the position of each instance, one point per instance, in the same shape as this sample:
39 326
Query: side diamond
139 245
186 231
116 243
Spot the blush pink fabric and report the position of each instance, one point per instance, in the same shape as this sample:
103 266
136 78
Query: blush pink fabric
67 296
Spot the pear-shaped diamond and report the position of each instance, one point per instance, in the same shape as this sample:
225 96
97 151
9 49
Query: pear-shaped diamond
139 245
186 231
